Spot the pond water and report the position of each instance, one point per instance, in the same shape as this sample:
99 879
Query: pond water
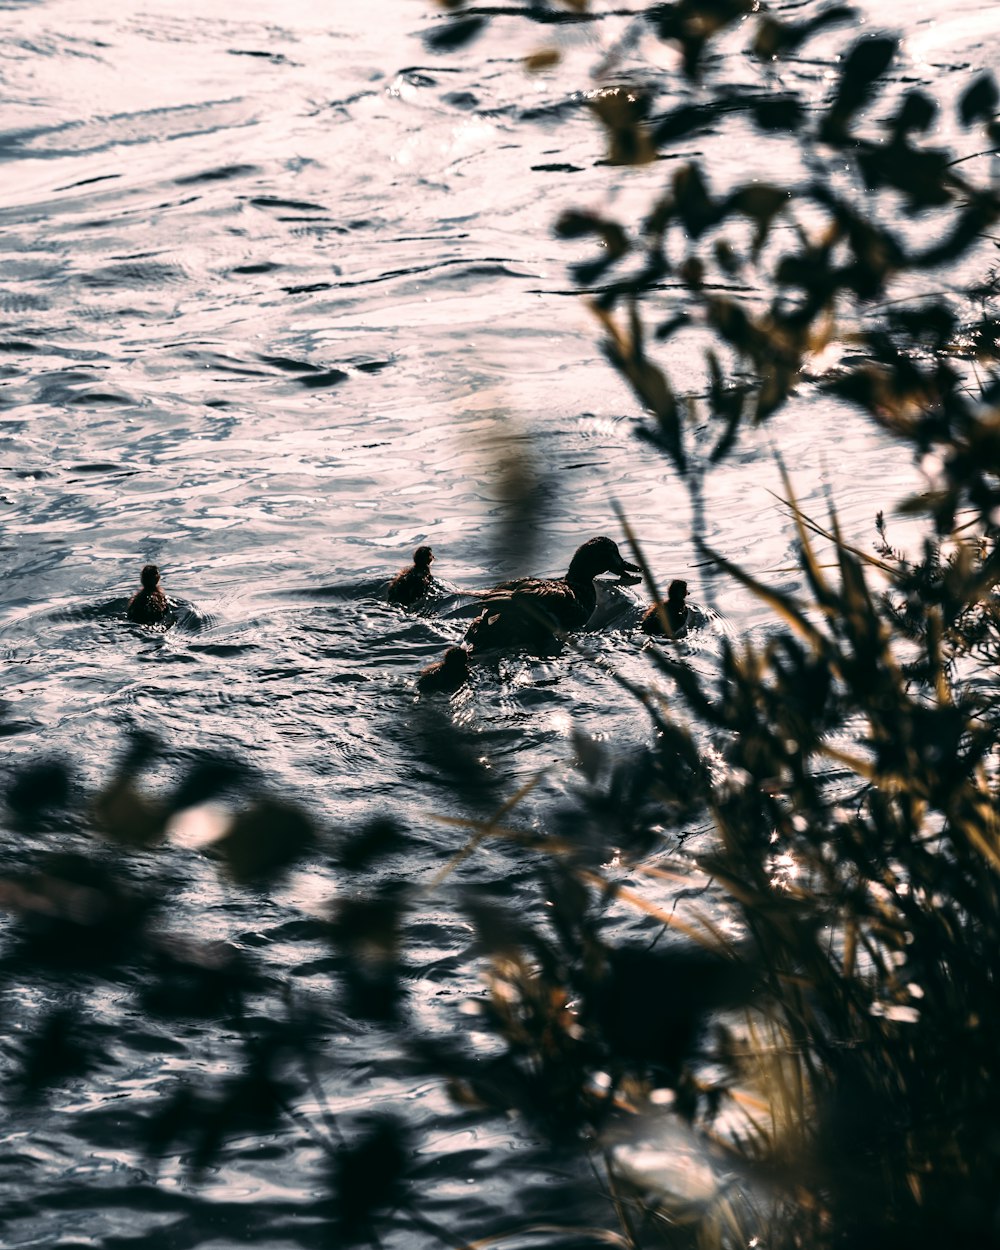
280 300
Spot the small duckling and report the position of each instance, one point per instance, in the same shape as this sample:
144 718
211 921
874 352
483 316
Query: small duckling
150 605
447 675
410 585
676 611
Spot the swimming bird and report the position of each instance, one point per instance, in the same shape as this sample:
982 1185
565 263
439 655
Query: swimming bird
676 611
532 612
410 585
446 675
150 605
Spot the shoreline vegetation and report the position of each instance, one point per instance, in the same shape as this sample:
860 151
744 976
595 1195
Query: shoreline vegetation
828 1066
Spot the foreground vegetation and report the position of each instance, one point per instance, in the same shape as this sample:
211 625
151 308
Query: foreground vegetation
837 1060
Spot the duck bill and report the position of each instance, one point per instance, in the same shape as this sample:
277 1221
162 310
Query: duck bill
629 574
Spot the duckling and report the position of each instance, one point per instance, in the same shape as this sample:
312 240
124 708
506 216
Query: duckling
410 585
676 611
446 675
531 612
150 605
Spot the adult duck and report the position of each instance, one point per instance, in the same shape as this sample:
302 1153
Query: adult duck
150 605
410 585
532 612
675 609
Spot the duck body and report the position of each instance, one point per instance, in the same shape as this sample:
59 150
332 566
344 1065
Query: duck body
675 609
532 612
410 585
446 675
150 605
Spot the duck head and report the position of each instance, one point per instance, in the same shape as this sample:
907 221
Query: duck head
677 592
456 660
422 557
150 577
600 555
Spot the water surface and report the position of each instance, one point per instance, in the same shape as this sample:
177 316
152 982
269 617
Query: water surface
279 300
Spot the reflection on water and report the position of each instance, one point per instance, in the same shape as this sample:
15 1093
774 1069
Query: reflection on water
273 286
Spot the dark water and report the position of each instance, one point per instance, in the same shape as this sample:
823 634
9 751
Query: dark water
279 298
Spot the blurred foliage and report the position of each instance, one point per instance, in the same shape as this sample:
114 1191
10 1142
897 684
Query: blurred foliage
833 1048
853 779
774 272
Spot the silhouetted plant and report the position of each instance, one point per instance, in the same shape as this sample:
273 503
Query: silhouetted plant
855 810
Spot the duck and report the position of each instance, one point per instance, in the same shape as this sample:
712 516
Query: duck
675 610
532 612
150 605
410 585
446 675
